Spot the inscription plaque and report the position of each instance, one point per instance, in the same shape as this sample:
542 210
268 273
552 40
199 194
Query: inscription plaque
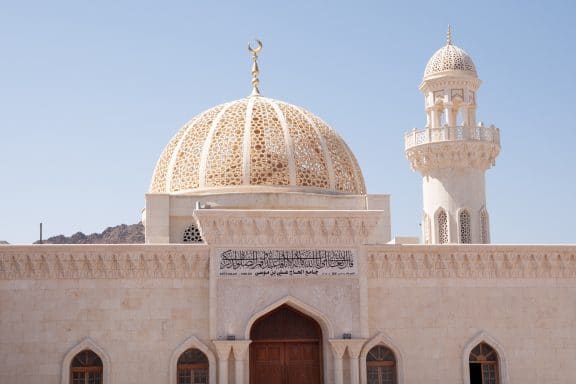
286 262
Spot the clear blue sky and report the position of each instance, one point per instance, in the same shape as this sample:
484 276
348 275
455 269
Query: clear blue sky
90 93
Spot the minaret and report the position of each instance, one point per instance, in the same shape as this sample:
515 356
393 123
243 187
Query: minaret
453 151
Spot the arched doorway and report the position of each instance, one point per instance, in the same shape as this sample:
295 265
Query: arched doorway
286 348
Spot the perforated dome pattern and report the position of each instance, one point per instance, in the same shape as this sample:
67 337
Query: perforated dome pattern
450 58
257 141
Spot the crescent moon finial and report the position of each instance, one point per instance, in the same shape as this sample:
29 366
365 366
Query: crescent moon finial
255 69
257 49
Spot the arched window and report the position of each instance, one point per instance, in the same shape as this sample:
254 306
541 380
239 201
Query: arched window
86 368
484 231
192 234
484 365
442 225
464 224
192 367
381 366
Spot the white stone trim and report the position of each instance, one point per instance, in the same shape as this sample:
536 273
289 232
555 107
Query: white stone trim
192 342
382 339
207 144
90 344
480 337
325 151
174 157
247 141
288 140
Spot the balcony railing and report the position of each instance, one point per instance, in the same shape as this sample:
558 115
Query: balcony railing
416 137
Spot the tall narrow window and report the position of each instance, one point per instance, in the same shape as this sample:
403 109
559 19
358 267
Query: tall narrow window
192 367
442 225
484 231
86 368
484 365
464 224
381 366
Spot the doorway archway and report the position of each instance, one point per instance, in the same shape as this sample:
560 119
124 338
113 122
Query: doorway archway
286 348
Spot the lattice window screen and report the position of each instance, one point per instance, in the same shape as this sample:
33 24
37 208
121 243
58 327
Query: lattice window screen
484 231
192 234
442 224
465 230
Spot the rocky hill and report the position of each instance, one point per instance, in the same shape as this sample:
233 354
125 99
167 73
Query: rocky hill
120 234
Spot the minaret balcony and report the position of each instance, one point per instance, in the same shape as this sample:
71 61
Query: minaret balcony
464 133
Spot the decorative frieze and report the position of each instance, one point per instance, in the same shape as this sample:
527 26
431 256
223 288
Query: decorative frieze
296 228
484 262
103 262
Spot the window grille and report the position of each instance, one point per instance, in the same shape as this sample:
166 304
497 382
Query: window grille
86 368
442 223
192 234
484 232
465 230
484 365
192 367
381 366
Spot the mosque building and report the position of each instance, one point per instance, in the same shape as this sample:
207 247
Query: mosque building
266 262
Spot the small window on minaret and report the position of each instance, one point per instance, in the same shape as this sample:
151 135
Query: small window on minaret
442 224
465 230
484 232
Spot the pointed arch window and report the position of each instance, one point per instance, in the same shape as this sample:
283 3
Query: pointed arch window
442 225
484 231
484 365
192 367
381 366
465 227
86 368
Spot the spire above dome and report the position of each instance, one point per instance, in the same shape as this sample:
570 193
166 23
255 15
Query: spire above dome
450 59
255 68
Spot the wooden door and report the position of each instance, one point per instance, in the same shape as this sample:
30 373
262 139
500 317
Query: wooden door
285 349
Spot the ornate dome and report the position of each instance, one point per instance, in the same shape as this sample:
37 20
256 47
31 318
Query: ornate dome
450 58
257 141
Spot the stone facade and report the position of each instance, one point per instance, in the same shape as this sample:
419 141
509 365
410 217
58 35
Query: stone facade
139 306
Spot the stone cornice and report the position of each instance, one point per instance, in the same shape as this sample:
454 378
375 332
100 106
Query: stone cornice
280 227
103 261
450 82
452 154
472 261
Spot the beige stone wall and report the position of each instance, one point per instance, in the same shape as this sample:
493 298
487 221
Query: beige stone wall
140 303
530 315
137 321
